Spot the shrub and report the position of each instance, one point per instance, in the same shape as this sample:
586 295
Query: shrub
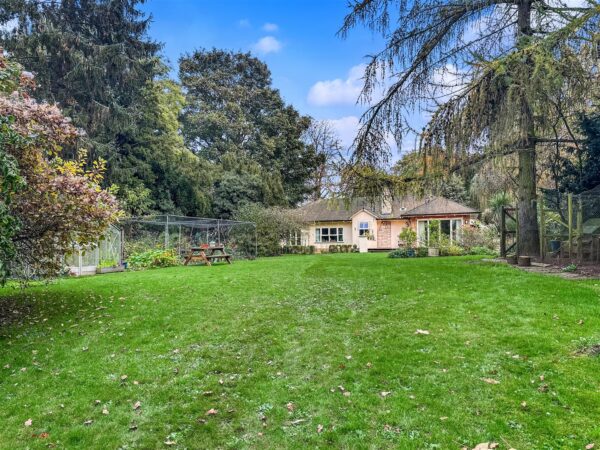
408 237
451 250
403 253
273 226
421 252
478 236
482 251
153 258
298 249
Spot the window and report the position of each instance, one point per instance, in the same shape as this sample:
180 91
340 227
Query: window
363 229
295 238
329 235
444 227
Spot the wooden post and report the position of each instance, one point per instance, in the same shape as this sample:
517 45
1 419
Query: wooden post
570 219
503 232
517 251
542 227
167 233
580 229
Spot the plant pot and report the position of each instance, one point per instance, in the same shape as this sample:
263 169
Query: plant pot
433 251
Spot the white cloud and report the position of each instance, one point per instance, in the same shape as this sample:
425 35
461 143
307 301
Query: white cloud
338 91
346 128
267 44
270 27
244 23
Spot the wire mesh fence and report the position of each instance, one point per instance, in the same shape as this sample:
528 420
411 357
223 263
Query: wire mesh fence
570 226
180 233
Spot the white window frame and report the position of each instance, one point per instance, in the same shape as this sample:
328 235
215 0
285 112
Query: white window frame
364 231
338 233
295 238
455 226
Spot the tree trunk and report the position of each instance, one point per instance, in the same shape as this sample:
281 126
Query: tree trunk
528 231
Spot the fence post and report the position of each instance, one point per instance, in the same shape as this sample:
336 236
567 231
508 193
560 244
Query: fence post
580 229
542 227
167 233
570 218
503 232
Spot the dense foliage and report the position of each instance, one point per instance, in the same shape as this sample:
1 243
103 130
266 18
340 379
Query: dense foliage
235 119
579 169
47 203
274 227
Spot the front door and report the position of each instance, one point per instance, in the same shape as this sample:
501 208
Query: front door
384 234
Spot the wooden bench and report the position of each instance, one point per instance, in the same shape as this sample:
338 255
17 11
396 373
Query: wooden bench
206 254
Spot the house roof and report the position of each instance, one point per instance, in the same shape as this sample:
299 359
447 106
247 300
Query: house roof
333 210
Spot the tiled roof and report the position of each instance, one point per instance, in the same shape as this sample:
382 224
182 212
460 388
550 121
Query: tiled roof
331 210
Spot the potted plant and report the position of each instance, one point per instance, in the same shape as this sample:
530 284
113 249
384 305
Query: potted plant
433 248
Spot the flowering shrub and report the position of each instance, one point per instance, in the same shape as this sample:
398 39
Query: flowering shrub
46 203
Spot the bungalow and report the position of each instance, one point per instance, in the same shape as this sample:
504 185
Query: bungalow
375 225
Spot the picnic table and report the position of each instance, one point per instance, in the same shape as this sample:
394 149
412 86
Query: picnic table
207 254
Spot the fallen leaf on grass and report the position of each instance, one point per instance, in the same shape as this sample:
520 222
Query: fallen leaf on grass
589 446
384 393
105 412
486 446
319 428
212 412
167 442
88 422
443 418
137 405
490 381
43 435
290 407
422 332
28 422
123 377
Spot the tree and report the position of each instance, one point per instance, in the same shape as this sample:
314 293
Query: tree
324 180
499 74
47 203
273 226
93 57
176 181
233 113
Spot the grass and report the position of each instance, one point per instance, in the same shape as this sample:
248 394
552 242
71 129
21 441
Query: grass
282 347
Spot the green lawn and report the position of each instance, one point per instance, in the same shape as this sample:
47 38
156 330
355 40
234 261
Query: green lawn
306 351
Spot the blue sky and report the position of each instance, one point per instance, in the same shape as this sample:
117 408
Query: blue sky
315 70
